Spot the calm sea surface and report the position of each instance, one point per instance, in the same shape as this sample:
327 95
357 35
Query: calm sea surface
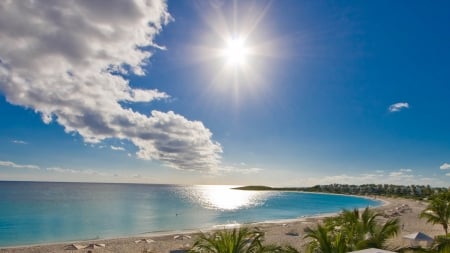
32 212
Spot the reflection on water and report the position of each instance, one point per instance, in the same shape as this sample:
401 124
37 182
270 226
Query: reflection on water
223 197
54 212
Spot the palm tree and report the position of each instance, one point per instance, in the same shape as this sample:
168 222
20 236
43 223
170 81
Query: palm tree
363 230
352 230
325 240
377 237
442 244
242 240
438 210
321 240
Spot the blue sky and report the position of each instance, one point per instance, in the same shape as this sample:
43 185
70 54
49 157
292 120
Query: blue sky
321 92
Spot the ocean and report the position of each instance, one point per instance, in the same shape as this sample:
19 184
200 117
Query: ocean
42 212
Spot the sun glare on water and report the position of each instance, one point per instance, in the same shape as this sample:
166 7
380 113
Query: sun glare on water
225 198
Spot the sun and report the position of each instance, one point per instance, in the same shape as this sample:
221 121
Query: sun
235 51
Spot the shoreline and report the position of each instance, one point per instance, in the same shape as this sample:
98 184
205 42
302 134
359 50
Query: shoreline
280 232
199 228
303 218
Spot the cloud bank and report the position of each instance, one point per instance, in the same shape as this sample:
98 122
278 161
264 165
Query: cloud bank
64 59
398 107
10 164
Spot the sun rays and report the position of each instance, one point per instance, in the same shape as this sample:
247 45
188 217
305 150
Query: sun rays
235 52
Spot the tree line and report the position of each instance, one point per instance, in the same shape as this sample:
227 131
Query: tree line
388 190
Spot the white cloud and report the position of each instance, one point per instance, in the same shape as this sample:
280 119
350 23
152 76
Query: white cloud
72 171
231 169
62 170
19 142
251 170
62 61
445 166
117 148
398 107
18 166
448 174
400 174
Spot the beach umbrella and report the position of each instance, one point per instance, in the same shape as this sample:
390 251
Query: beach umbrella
74 247
181 237
372 250
144 240
95 246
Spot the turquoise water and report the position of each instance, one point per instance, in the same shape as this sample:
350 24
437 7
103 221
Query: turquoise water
37 212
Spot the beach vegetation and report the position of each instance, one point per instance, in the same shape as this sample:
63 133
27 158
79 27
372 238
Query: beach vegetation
229 241
352 230
438 210
442 243
254 188
324 240
243 240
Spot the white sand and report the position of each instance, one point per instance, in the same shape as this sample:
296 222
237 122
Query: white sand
279 233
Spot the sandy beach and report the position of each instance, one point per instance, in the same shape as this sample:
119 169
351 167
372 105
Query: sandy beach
286 232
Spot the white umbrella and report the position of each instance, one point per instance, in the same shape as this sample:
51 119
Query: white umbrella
181 237
144 240
95 246
74 247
